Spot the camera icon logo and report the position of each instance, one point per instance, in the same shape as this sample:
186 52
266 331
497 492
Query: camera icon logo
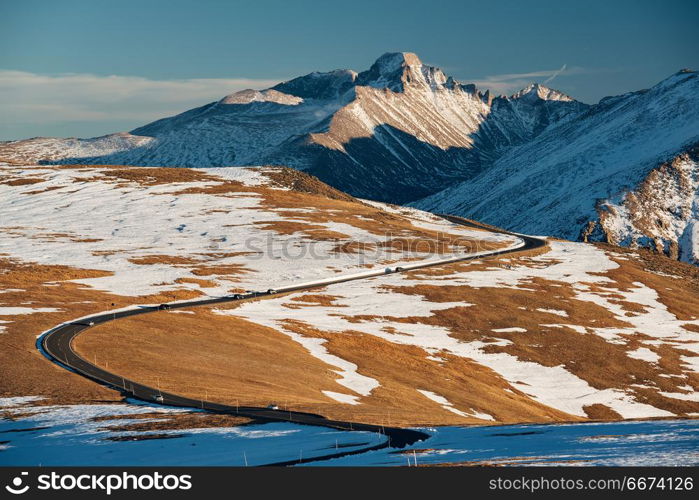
16 487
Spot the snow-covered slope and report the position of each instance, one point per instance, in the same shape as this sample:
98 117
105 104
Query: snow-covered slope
396 132
410 129
552 326
561 333
53 149
146 224
660 213
624 171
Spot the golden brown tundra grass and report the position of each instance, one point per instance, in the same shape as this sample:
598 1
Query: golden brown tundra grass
23 369
401 370
231 360
600 363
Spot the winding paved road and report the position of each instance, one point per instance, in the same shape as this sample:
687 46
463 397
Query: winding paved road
56 344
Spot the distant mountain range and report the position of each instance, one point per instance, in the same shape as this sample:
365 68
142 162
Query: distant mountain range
396 132
624 170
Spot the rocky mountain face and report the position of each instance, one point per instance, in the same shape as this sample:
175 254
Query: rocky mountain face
624 171
661 212
397 132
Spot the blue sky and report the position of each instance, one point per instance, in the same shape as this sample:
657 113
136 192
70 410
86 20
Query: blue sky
84 68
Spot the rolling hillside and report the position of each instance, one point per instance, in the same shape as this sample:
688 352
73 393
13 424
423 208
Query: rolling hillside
569 332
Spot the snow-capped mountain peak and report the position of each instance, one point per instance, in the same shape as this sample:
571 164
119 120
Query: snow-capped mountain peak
684 75
390 62
538 91
319 85
395 70
625 171
270 95
396 132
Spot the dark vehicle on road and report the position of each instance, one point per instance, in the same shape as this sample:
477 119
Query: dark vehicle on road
164 307
271 291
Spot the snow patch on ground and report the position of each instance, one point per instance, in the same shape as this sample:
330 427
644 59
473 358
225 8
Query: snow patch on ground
577 328
554 311
18 401
447 405
12 311
128 221
71 435
650 443
645 354
692 396
577 264
342 398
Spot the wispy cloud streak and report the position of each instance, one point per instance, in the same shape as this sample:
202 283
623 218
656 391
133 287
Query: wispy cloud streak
555 74
511 82
30 98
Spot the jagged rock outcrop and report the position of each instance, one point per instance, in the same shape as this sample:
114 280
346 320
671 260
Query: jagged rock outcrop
660 213
623 171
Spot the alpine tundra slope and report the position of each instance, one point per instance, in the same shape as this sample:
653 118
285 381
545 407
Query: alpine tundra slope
57 344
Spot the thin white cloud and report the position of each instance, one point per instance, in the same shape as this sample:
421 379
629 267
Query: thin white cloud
511 82
555 74
30 98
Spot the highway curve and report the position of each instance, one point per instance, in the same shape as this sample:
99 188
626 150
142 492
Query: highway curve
57 345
